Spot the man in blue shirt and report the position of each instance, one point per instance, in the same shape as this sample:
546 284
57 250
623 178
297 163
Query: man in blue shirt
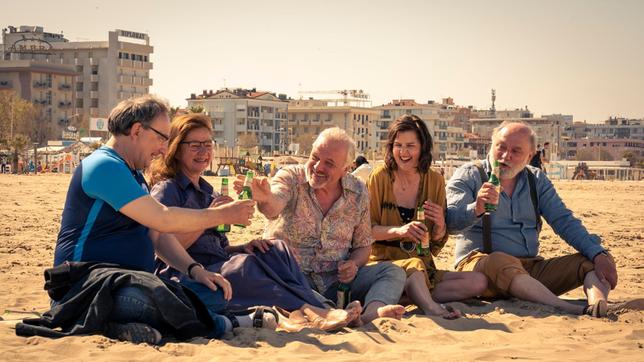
513 266
110 217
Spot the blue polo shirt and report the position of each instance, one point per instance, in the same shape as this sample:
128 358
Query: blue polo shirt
92 228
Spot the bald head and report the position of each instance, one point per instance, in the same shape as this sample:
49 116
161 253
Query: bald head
518 129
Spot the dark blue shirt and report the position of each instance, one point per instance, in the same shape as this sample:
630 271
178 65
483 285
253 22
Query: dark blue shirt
179 191
92 228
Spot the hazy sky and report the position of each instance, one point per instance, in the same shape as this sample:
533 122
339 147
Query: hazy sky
584 57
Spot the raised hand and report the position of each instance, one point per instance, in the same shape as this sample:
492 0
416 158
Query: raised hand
260 187
238 212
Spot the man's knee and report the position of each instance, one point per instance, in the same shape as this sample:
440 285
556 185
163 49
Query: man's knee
500 268
384 271
477 283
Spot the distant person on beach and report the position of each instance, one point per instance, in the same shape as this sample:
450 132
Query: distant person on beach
322 212
260 271
537 158
397 189
363 169
110 217
545 157
511 260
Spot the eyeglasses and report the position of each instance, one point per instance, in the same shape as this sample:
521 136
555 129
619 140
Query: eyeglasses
164 137
196 145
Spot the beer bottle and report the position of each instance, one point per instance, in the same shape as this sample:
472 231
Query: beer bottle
224 228
494 180
246 192
422 248
344 295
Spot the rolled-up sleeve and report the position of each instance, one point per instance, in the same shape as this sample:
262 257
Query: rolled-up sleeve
461 199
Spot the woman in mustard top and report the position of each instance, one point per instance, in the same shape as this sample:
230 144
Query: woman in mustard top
397 190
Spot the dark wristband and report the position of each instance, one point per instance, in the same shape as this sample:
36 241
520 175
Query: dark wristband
190 267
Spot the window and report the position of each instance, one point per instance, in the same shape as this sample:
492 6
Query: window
94 86
79 68
79 86
94 102
79 102
94 69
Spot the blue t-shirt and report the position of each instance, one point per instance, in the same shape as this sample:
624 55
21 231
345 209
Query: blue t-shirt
92 228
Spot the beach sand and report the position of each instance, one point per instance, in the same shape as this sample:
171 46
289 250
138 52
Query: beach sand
30 213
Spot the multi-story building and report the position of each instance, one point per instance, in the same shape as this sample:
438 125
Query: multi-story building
50 87
605 149
443 120
547 130
106 71
307 118
244 117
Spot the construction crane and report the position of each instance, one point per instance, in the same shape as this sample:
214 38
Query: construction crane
348 97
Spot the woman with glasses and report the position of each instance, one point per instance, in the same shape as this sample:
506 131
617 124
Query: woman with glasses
408 220
261 272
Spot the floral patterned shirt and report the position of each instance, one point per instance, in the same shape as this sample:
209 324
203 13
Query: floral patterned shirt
320 241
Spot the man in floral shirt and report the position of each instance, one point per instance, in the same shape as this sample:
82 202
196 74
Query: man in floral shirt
322 212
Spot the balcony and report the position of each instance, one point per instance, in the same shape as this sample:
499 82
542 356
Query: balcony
146 81
142 65
5 84
65 87
93 94
93 78
126 79
39 84
218 127
126 63
64 104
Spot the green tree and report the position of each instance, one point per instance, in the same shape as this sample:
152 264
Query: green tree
196 109
17 116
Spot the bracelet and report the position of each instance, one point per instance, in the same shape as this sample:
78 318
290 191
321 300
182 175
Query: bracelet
191 266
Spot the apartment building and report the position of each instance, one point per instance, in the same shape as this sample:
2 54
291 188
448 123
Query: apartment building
245 116
547 130
443 120
50 87
605 149
309 117
106 72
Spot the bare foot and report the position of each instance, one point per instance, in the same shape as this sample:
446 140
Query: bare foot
391 311
444 311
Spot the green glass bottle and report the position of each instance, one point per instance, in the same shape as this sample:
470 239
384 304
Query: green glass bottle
224 228
246 192
422 248
494 180
344 295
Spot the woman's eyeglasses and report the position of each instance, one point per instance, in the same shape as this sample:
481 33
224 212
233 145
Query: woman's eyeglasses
195 146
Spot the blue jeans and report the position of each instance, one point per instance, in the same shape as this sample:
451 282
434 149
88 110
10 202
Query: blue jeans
214 302
383 282
132 305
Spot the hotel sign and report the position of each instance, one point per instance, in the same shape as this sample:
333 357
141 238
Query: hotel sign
131 34
30 46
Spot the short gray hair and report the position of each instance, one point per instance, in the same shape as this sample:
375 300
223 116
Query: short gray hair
528 130
142 109
337 134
